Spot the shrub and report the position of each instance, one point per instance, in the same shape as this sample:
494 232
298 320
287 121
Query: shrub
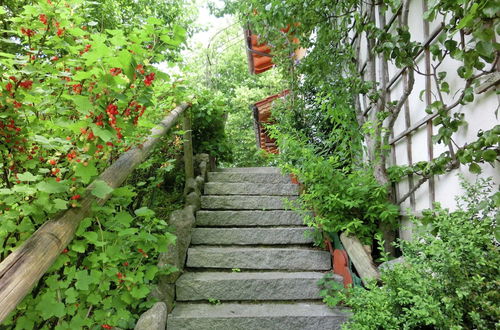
450 277
344 196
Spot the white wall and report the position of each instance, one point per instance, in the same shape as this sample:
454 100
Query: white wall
480 115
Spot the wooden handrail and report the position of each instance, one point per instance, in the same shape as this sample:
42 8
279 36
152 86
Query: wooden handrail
20 271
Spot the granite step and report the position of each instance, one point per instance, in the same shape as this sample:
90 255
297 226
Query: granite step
207 218
258 258
264 170
244 286
238 202
251 236
247 177
263 316
229 188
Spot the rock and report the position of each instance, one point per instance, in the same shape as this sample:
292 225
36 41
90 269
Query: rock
200 182
243 286
390 264
247 218
203 161
203 170
182 221
258 258
191 186
289 316
247 177
250 236
153 319
229 188
264 170
193 199
164 292
245 202
202 158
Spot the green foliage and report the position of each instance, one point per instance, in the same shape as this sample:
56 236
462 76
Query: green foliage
73 97
327 82
449 278
344 196
223 76
105 274
208 115
483 150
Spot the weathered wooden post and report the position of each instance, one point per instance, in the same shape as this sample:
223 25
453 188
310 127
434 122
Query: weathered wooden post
188 146
360 258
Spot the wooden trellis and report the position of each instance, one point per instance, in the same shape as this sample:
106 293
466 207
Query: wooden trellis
411 139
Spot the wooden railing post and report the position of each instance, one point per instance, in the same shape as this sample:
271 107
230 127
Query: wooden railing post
188 146
20 271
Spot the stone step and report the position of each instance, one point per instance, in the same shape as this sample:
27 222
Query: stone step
247 177
250 236
268 170
265 316
258 258
249 286
230 188
247 218
244 202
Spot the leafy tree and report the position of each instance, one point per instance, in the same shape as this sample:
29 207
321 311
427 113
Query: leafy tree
221 70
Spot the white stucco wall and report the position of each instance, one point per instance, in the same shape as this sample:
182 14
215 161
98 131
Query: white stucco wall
479 114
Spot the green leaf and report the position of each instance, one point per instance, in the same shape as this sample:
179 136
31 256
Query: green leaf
83 280
139 292
103 134
24 189
485 48
154 21
150 273
79 246
124 192
91 236
51 186
128 232
83 104
124 218
48 306
165 241
490 155
28 177
71 295
144 212
475 168
81 75
94 299
469 17
101 189
60 204
450 44
85 173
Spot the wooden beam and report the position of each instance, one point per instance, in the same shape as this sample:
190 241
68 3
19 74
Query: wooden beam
188 146
428 102
398 74
491 80
361 260
20 271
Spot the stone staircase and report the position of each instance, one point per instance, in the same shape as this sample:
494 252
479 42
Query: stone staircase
249 265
